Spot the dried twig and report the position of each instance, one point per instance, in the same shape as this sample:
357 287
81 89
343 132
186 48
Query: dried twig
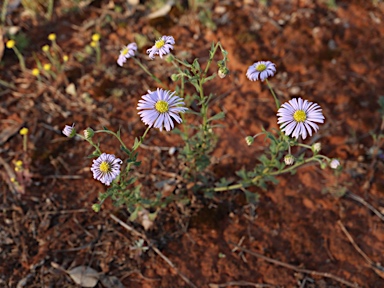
157 251
375 266
365 203
240 283
295 268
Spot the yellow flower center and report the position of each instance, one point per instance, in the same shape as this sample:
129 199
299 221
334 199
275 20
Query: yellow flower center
23 131
159 43
124 51
95 37
35 72
105 167
52 37
261 67
300 116
10 44
47 67
162 106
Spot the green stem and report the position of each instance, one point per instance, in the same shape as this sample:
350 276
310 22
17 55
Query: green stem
114 134
304 145
50 9
211 59
258 177
181 62
147 71
98 54
4 11
6 84
90 142
21 59
25 139
145 133
273 94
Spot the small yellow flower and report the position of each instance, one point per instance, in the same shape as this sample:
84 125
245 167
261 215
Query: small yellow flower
52 37
10 44
96 37
35 72
45 48
19 163
13 180
47 67
65 58
93 44
23 131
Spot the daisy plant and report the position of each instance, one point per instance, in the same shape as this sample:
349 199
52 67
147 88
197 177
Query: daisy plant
298 118
158 109
166 110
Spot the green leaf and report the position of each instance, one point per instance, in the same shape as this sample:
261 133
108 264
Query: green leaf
196 65
209 78
134 214
218 116
136 144
381 103
251 197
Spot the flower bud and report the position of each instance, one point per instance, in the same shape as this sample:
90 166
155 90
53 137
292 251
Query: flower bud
88 133
69 131
175 77
96 207
334 164
169 58
289 159
323 165
249 140
316 147
223 72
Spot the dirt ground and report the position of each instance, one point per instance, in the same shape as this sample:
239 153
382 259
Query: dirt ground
299 234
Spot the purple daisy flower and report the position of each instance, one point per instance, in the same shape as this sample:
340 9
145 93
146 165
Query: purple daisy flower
106 168
262 70
163 46
126 52
159 107
298 117
69 131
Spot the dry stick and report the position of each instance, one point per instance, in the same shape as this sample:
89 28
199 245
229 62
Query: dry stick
375 266
365 203
240 283
292 267
157 251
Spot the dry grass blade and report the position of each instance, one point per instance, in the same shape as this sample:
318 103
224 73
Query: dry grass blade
379 270
240 283
295 268
365 203
157 251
